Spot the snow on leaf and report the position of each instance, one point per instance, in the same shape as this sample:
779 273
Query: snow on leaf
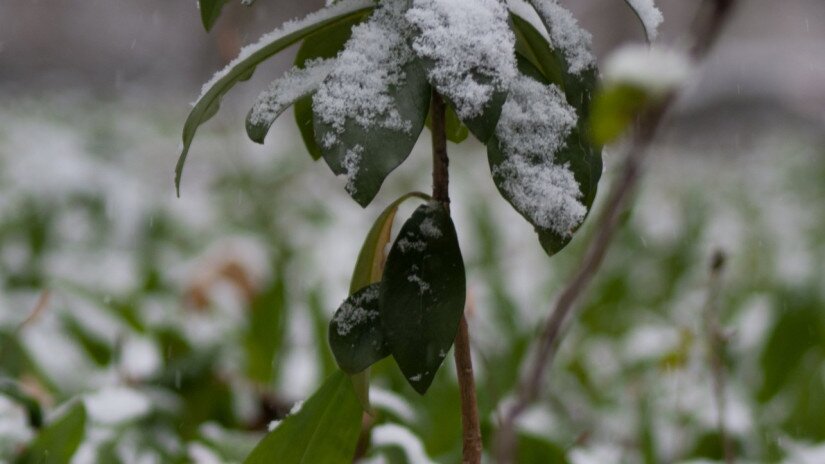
353 312
352 164
283 92
534 123
650 16
358 86
655 69
566 35
470 46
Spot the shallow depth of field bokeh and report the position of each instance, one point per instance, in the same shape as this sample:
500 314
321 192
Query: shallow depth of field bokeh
187 325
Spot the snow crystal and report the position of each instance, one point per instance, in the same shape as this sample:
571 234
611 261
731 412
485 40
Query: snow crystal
566 34
352 164
353 313
534 123
284 91
471 47
340 8
396 435
429 228
423 286
649 15
409 243
655 69
358 86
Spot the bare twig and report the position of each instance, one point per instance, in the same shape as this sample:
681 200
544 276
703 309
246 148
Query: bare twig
39 307
605 227
471 431
717 342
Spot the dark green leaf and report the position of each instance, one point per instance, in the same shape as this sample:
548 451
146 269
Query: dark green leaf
381 150
58 441
325 43
483 126
355 333
531 45
325 430
11 390
369 268
210 10
422 294
209 103
370 264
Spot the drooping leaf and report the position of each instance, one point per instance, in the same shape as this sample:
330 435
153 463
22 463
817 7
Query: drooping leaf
378 150
57 442
541 62
370 264
210 11
355 333
369 267
243 66
324 430
422 294
323 44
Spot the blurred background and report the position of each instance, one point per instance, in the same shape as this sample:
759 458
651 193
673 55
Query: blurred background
185 325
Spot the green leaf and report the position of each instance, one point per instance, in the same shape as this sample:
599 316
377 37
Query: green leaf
422 294
532 45
614 110
325 43
267 321
381 150
355 333
242 69
369 268
325 430
57 442
210 11
370 264
10 389
483 126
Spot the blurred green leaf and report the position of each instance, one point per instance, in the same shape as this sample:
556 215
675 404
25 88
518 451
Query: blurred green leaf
423 293
324 430
265 332
57 442
208 105
10 389
210 11
614 110
380 150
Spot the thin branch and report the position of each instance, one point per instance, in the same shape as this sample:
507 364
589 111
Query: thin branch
717 342
471 430
606 226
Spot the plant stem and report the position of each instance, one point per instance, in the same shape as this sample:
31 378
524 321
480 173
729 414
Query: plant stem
471 431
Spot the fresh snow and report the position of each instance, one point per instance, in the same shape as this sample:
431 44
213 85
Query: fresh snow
429 229
534 123
566 35
358 88
655 69
470 46
352 165
353 313
338 9
650 16
286 90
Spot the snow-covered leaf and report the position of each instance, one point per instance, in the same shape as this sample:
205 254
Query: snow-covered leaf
324 429
422 294
467 49
324 44
242 67
355 333
367 123
650 16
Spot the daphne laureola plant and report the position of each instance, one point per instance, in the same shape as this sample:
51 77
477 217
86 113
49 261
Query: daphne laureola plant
368 76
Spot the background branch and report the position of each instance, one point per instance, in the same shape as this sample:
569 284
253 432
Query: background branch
606 226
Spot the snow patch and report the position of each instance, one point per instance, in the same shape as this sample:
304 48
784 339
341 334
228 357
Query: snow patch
650 16
566 35
654 68
353 312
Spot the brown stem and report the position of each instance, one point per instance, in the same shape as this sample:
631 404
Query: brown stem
471 431
606 227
